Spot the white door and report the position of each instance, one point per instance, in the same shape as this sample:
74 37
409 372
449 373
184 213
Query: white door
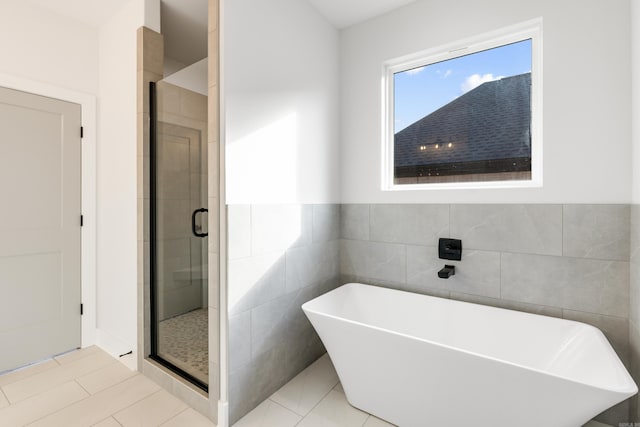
40 171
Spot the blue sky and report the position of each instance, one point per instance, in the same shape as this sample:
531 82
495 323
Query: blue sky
423 90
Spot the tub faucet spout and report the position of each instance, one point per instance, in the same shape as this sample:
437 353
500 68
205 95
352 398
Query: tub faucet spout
447 271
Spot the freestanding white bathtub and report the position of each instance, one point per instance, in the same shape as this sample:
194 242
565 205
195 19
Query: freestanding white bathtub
422 361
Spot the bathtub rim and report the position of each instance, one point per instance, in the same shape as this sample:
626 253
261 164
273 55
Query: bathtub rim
627 392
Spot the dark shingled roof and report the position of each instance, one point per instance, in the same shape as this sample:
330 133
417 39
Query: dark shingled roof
489 122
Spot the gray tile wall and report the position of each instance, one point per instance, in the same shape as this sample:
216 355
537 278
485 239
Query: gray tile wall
570 261
280 256
634 307
578 262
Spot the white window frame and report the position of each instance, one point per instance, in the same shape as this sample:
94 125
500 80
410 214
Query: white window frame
527 30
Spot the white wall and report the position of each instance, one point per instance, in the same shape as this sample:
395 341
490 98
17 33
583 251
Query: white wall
39 45
117 188
635 99
281 90
70 73
194 77
586 96
58 56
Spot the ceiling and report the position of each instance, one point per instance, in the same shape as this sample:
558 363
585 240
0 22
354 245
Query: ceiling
184 22
184 26
344 13
91 12
188 16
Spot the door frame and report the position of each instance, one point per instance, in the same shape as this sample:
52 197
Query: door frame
88 113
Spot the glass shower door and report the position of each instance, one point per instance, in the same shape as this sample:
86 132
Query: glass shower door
179 296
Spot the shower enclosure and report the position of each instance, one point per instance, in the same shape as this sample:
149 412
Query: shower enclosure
178 231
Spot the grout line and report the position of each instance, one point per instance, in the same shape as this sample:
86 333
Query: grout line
562 229
284 407
5 397
369 222
28 367
313 222
75 380
92 395
134 403
58 409
109 417
316 405
112 385
49 387
176 415
406 266
81 352
588 312
500 273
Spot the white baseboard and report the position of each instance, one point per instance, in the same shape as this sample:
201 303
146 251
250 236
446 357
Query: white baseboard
223 414
117 348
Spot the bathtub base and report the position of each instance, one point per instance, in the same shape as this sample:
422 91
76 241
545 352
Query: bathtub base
412 382
437 396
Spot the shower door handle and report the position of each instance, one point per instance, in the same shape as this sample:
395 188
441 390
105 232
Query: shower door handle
193 222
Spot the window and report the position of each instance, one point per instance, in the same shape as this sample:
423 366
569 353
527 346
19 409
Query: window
466 115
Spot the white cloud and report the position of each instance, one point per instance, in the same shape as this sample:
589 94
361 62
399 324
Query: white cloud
444 74
475 80
415 71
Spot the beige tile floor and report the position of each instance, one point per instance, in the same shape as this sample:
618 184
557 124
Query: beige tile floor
331 411
90 388
315 398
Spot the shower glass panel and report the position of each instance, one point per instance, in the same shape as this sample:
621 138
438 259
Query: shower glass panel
179 297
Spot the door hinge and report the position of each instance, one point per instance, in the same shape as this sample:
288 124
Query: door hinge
81 220
81 309
81 131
